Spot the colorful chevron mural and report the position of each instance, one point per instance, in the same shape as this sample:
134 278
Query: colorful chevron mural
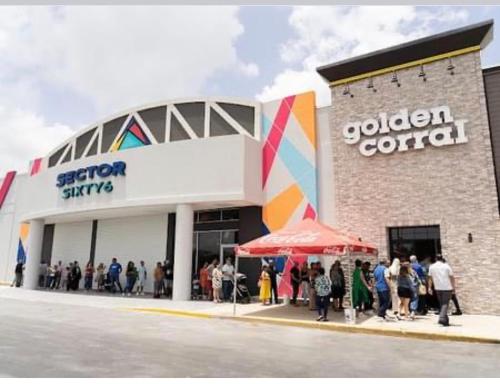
288 167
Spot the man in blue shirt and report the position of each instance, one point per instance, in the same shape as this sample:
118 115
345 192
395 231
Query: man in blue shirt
114 274
381 276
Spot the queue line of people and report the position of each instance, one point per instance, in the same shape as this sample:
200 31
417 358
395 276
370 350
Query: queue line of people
61 277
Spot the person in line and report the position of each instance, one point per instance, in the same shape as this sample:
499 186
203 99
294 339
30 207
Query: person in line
265 286
66 277
204 280
142 275
168 270
18 280
227 279
382 286
217 282
59 272
114 271
210 272
360 288
323 288
405 291
77 276
131 276
51 277
442 280
393 278
274 284
89 276
304 277
338 286
100 277
415 284
158 280
422 288
295 282
365 268
313 273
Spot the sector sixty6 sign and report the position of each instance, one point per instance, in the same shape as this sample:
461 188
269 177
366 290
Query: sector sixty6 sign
89 180
406 130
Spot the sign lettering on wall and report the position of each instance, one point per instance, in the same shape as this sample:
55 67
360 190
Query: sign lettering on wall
82 176
404 130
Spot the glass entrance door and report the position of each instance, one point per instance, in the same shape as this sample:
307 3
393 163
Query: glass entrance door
422 241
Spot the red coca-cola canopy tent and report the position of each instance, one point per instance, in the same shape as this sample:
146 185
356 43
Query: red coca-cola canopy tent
307 237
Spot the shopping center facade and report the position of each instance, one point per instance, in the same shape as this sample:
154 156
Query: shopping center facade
404 157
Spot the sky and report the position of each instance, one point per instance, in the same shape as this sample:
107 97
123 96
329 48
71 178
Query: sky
64 68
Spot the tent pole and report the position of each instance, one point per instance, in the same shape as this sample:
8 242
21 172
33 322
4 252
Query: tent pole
235 283
350 276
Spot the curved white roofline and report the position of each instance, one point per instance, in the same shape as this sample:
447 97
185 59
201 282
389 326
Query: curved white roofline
161 103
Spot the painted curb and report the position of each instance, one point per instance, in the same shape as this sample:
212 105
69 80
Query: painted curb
337 327
173 312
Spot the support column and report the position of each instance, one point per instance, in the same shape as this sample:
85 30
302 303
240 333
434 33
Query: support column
183 252
34 254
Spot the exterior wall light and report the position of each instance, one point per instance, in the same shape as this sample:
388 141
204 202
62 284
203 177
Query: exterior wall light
395 79
370 85
422 73
470 237
346 91
450 67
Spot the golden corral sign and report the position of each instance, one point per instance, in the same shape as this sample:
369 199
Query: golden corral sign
404 130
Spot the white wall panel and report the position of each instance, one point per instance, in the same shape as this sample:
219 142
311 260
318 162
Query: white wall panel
72 242
132 239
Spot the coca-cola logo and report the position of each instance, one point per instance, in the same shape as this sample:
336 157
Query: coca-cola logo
285 251
332 250
292 238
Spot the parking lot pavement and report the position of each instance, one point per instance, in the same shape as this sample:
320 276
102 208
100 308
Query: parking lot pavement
41 339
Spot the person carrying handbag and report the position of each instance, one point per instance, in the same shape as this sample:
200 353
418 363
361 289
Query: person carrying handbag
422 287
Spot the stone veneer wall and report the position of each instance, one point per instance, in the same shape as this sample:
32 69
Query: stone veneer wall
453 186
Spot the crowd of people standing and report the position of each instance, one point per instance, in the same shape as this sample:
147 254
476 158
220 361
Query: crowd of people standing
216 281
68 277
405 288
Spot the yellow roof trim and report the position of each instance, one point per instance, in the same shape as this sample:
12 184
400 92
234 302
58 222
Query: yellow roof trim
406 65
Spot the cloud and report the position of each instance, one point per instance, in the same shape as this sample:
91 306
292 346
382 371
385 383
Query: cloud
323 35
112 58
26 136
249 70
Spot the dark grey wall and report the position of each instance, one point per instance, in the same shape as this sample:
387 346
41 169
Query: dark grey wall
250 228
48 241
492 89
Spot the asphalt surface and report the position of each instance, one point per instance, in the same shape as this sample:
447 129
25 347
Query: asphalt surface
58 340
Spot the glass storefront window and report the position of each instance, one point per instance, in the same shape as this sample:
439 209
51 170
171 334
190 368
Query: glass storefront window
208 216
231 214
217 215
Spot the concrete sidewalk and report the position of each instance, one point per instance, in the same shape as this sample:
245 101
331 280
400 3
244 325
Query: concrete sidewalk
471 328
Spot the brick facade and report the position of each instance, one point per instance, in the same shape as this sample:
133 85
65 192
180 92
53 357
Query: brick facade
452 186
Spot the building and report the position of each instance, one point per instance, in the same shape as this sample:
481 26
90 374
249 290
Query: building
412 128
405 157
